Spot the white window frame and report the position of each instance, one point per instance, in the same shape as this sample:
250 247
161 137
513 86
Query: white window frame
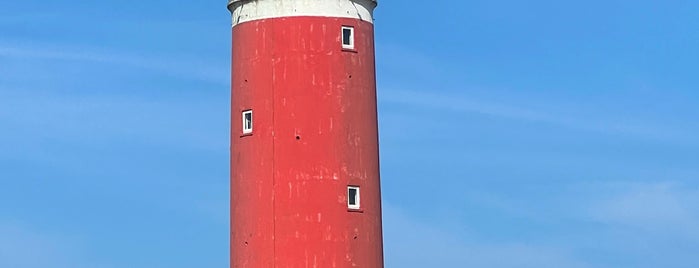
245 129
358 199
351 37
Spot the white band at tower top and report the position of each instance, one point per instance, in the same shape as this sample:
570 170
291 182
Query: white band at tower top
250 10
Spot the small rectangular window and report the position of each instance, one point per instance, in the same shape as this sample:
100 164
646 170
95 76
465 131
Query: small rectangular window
353 197
348 37
247 122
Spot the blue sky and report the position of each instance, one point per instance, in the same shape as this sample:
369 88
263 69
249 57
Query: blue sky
513 133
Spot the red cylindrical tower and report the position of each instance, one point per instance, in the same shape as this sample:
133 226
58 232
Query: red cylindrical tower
305 188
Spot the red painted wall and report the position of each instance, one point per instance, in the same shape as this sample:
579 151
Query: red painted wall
314 133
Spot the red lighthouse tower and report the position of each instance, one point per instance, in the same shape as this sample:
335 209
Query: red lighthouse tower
305 188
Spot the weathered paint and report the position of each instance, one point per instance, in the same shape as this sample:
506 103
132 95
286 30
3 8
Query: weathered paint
249 10
315 134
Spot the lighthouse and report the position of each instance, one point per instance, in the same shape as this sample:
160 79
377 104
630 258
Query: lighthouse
305 187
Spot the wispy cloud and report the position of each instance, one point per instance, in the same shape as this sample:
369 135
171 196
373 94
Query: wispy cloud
414 78
643 224
24 17
460 104
591 121
665 208
410 243
22 247
188 66
103 120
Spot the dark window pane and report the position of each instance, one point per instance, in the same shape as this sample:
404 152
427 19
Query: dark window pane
346 35
247 124
352 196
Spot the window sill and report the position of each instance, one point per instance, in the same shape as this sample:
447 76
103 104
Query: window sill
246 135
352 50
355 210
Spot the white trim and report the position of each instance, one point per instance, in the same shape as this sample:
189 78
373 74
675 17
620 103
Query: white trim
249 10
351 37
247 130
357 203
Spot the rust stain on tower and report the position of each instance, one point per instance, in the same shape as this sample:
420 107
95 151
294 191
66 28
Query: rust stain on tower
305 188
